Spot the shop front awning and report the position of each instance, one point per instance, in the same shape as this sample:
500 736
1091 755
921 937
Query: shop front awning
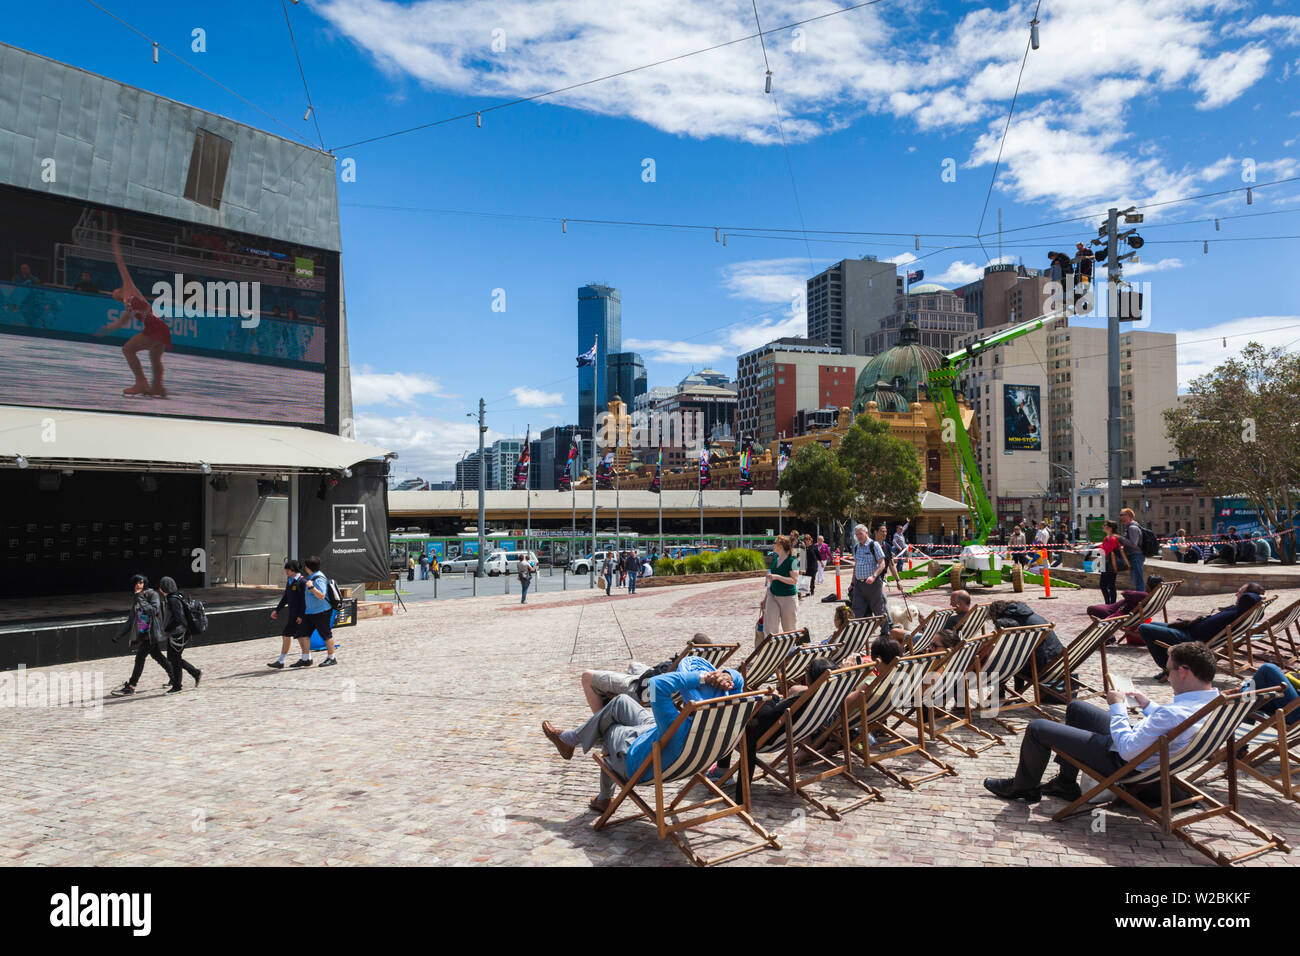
58 438
930 501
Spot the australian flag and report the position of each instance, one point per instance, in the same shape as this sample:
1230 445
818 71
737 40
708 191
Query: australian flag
916 276
588 357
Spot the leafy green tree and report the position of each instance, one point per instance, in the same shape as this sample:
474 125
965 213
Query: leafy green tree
884 473
1240 426
816 484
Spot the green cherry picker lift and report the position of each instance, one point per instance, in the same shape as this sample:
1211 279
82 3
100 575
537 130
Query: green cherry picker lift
980 562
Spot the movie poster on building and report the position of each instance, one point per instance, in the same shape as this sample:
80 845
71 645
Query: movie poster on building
1023 421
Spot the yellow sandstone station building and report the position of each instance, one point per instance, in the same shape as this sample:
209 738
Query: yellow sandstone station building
892 387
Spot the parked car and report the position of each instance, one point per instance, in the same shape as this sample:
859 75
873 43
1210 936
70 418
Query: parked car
582 564
507 562
461 564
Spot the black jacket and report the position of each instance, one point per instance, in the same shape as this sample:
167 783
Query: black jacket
1049 649
174 619
294 598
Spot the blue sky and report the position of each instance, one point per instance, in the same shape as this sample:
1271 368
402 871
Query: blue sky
1126 101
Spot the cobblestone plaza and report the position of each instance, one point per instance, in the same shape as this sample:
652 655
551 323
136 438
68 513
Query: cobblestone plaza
424 747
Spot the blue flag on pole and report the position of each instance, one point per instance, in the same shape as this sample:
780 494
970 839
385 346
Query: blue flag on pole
588 357
916 276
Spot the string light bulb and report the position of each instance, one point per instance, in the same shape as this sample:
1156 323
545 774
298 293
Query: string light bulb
1033 33
1216 225
307 115
1205 247
767 84
155 51
479 119
1250 198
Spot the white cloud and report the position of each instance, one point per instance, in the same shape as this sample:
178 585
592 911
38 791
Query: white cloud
393 388
1283 29
1162 265
1228 75
961 272
1202 350
677 352
536 398
768 280
426 446
902 259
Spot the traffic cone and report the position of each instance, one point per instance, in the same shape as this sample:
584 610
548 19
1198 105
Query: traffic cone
1047 578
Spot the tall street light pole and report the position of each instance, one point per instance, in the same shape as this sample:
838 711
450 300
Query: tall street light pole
482 488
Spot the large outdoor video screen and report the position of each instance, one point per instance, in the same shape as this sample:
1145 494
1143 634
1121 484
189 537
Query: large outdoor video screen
108 310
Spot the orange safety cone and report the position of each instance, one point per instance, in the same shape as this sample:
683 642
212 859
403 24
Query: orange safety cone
1047 577
838 596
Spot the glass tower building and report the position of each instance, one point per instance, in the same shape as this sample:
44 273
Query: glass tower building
600 313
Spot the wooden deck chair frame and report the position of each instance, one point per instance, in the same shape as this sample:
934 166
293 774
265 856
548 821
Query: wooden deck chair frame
730 714
1157 602
799 728
1065 668
794 666
920 640
1223 644
1253 640
1271 738
974 622
856 636
1010 650
715 654
764 662
1219 721
950 685
895 696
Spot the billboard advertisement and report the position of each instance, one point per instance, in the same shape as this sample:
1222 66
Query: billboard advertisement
1023 419
107 310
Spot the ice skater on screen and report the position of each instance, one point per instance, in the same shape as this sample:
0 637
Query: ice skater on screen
156 337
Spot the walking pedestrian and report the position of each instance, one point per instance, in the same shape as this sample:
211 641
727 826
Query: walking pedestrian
144 621
525 574
176 627
1112 562
800 559
633 570
609 571
317 610
424 566
410 567
1132 541
292 603
814 563
867 589
780 607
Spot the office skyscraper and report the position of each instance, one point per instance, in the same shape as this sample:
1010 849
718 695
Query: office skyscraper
627 375
847 302
600 313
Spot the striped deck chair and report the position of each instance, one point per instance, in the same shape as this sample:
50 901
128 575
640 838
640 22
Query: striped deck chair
717 727
765 661
715 654
795 665
821 706
919 641
948 687
974 622
1154 603
1065 669
857 636
990 692
889 702
1224 643
1280 623
1219 720
1259 744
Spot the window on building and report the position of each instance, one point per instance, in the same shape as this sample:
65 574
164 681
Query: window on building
209 160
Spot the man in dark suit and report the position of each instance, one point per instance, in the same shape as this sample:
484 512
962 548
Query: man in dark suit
1198 629
293 603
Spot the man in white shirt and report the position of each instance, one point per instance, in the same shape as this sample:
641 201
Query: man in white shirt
1103 741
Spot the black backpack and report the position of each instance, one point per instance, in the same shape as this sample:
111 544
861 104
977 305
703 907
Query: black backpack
1150 543
196 615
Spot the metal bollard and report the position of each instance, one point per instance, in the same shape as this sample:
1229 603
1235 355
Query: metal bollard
435 585
506 576
564 576
475 584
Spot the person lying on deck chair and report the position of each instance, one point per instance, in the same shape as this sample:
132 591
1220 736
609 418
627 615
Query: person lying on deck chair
1103 742
628 731
1128 604
600 687
1200 628
1020 614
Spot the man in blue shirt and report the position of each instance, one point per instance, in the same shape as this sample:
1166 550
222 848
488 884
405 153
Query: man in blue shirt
1104 742
1200 629
867 591
317 610
628 731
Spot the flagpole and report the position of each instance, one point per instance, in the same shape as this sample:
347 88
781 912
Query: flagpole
528 483
573 493
703 451
618 524
659 469
595 391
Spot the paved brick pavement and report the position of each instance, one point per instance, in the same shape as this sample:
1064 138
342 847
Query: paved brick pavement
424 746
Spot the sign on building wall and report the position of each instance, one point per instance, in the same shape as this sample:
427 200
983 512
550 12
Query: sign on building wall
1022 418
